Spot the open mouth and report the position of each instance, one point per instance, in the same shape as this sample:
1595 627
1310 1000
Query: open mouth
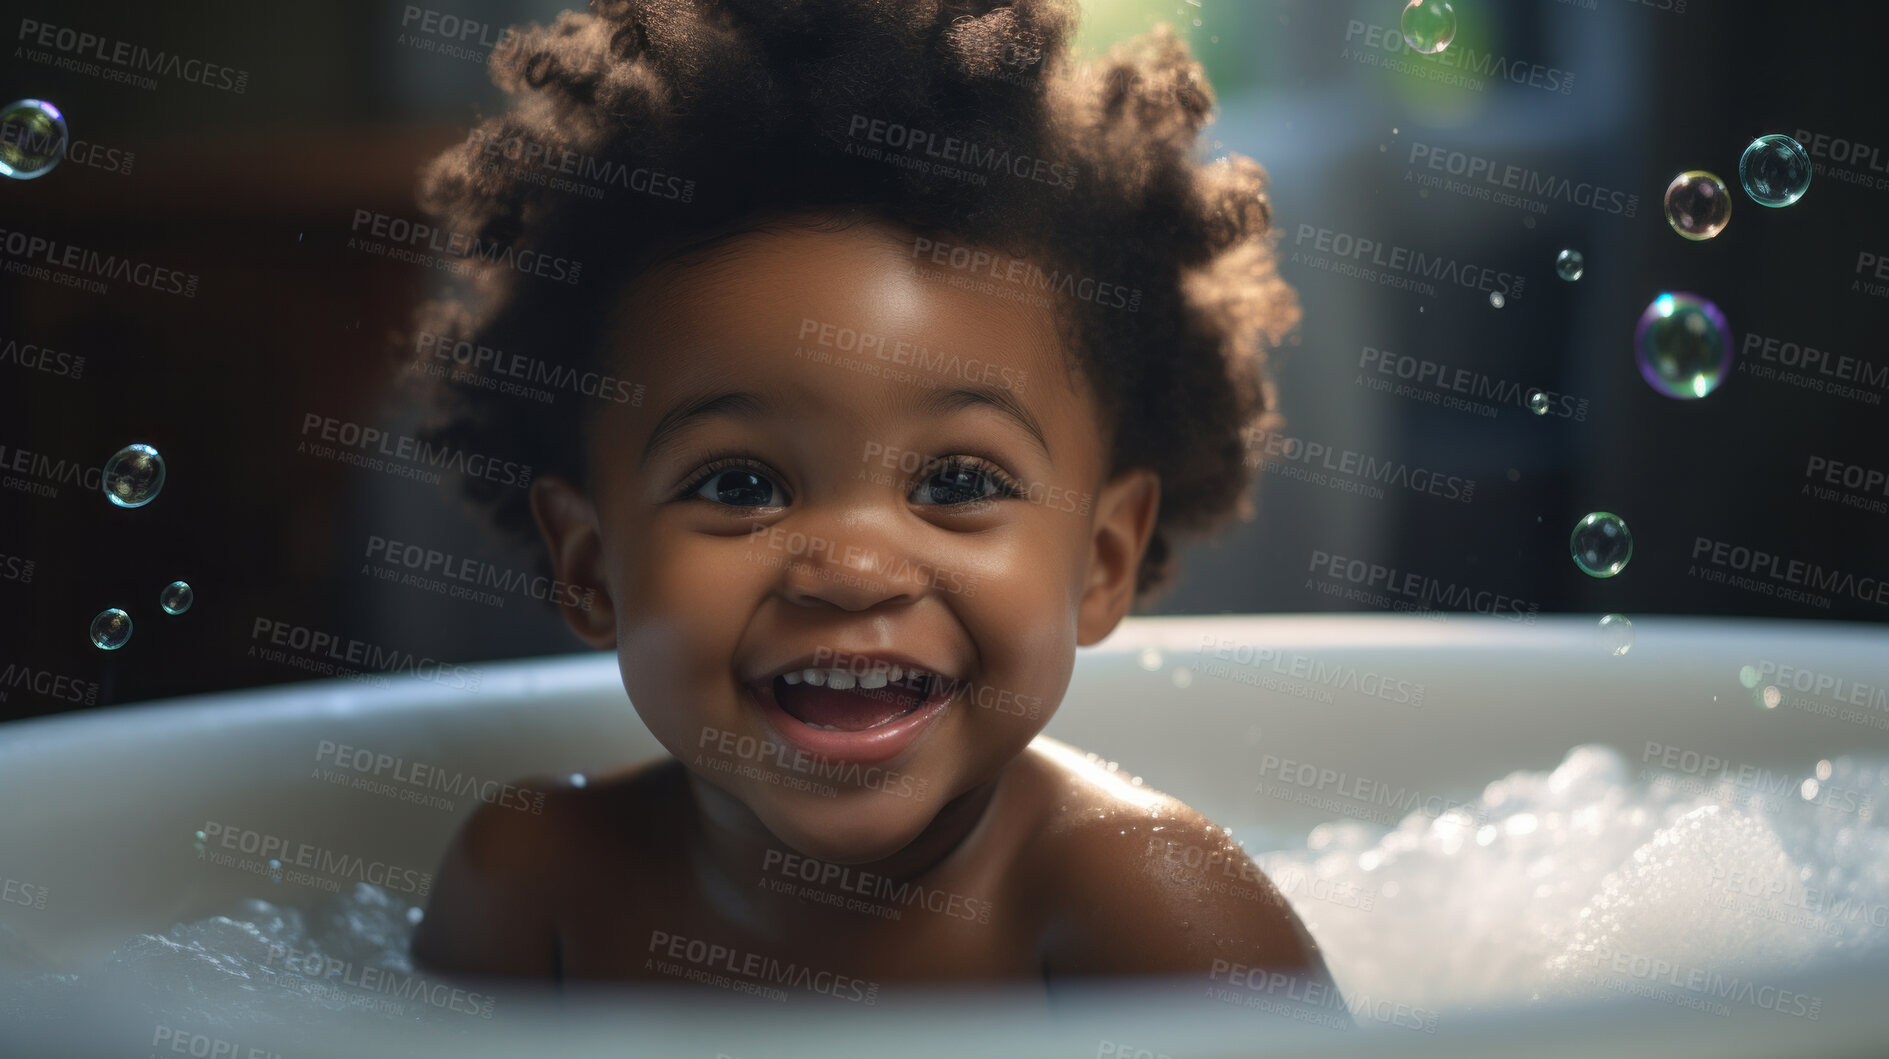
839 700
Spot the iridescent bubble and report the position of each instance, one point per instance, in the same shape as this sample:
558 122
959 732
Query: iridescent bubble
134 476
111 629
1601 544
32 138
1570 265
176 597
1748 676
1429 25
1775 170
1496 299
1538 402
198 844
1697 204
1614 634
1683 345
275 871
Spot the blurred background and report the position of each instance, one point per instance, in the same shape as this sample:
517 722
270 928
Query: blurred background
1545 126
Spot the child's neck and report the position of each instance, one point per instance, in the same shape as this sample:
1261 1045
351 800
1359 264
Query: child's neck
732 840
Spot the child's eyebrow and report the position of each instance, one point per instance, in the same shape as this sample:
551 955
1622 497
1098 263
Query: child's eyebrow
739 404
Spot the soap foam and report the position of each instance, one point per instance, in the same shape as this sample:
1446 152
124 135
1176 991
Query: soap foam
1588 882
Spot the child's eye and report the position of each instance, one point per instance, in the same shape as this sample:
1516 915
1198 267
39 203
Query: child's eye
964 480
736 483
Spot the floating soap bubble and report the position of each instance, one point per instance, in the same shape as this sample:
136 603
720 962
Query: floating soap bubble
1614 634
32 138
176 597
1429 25
1570 265
1601 544
134 476
199 840
1538 402
1748 676
1683 345
111 629
275 871
1496 299
1775 170
1697 204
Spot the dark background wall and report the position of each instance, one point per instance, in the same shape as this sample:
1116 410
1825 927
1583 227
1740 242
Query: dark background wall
253 192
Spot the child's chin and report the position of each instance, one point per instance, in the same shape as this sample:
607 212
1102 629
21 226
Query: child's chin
853 827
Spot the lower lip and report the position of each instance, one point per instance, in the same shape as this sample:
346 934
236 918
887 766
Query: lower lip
868 746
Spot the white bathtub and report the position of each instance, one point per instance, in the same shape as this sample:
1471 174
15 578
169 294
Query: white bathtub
101 808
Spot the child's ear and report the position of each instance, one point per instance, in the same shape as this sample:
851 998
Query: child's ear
567 521
1124 523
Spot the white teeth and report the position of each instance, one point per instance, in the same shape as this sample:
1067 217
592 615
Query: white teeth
871 679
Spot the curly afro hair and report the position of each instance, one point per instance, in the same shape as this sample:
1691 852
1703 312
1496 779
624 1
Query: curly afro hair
696 119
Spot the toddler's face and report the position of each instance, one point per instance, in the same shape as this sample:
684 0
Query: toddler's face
817 479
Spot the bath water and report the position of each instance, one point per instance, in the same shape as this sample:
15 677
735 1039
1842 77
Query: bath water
1599 878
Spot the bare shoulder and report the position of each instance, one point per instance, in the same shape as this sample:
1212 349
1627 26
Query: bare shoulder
1135 882
494 905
